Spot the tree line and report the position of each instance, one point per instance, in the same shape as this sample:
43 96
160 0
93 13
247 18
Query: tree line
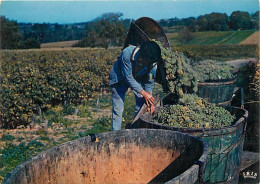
12 39
215 22
110 29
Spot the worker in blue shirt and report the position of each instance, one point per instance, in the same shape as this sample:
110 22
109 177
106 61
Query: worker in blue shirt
135 68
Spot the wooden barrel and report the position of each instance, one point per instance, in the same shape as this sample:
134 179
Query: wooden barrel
218 91
225 144
125 156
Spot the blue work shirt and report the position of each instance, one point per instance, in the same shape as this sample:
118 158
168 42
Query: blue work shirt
122 70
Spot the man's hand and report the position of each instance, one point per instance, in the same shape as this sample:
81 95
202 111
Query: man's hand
148 97
152 108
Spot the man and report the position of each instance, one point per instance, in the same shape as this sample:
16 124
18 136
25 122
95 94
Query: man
135 68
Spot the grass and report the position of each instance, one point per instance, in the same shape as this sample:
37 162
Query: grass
12 155
212 37
238 37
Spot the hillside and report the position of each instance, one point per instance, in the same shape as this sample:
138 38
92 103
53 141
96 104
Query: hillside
213 37
253 39
244 37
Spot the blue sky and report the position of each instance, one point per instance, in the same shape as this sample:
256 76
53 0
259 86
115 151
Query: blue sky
71 11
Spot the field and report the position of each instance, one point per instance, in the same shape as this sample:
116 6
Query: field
200 38
64 44
213 37
253 39
66 112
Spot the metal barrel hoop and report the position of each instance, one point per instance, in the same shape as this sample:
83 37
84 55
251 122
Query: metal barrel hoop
226 152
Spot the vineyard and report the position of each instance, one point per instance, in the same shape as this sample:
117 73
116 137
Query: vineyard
61 86
213 37
33 80
219 52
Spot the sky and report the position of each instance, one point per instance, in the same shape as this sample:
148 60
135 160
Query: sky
75 11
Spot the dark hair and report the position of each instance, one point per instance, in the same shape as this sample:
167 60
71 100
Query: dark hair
150 51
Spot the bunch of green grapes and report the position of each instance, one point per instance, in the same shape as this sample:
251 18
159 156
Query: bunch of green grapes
213 70
180 77
192 111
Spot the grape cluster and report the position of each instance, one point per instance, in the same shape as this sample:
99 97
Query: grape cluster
180 77
209 70
194 112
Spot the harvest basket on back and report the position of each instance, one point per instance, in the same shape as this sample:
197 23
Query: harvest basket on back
143 30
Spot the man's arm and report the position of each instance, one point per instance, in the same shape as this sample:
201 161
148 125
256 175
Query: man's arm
126 68
150 80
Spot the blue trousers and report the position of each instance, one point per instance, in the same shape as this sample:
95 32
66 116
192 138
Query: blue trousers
118 98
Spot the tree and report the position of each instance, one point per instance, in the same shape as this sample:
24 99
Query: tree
255 20
10 37
240 20
29 44
202 23
213 22
185 35
105 31
217 21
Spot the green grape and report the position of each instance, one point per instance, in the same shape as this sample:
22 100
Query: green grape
192 111
213 70
178 72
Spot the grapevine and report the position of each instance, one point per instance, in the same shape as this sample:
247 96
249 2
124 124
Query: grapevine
39 78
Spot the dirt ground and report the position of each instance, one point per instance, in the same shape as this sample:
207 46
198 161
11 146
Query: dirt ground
241 62
64 44
253 39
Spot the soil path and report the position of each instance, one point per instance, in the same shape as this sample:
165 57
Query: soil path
241 62
253 39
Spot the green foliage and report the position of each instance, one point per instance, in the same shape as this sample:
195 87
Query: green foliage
248 79
7 137
129 109
14 155
212 37
240 20
255 85
194 112
237 37
185 35
255 20
105 31
212 22
210 70
12 39
29 44
102 124
44 78
218 52
60 129
46 32
103 121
